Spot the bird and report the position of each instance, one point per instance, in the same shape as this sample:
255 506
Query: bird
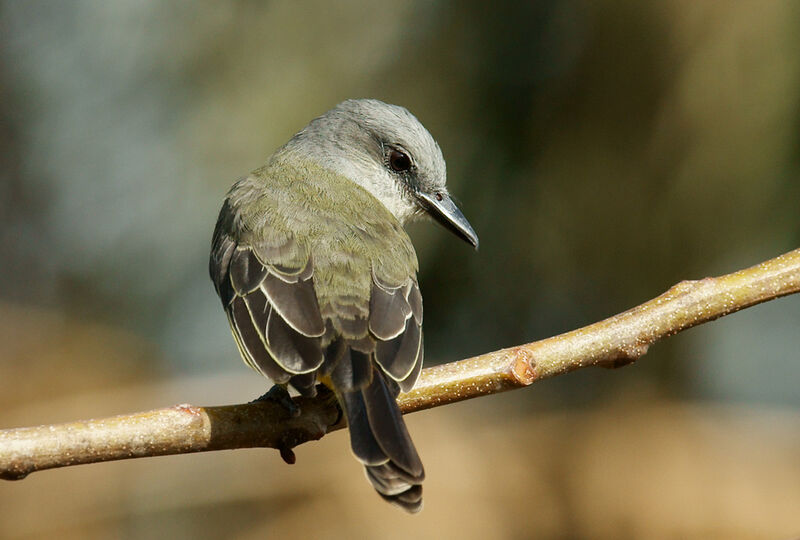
318 276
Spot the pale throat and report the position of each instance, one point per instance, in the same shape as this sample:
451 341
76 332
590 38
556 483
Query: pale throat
393 198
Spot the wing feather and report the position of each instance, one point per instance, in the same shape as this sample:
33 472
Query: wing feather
296 302
415 301
272 309
251 344
293 351
246 271
398 356
409 382
388 311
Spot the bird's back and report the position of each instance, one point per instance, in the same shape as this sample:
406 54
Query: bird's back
314 215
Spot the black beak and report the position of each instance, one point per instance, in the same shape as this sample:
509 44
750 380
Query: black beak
441 207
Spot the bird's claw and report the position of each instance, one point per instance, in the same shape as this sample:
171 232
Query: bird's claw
280 395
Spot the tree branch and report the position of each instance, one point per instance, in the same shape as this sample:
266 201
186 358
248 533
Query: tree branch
613 342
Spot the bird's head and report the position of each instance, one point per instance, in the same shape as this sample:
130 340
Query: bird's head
388 152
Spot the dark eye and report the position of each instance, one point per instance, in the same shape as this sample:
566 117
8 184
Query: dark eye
398 161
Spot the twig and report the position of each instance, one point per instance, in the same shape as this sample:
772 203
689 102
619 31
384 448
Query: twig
613 342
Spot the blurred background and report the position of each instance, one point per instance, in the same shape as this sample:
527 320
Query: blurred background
602 150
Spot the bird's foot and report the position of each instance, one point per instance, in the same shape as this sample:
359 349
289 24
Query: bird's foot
280 395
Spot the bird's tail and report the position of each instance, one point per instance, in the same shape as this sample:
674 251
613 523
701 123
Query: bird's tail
378 435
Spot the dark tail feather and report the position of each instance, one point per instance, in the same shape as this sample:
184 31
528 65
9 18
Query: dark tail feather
380 440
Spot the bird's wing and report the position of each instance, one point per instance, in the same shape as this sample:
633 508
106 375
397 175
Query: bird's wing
267 289
395 320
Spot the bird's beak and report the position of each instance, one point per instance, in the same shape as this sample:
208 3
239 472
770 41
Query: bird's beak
442 208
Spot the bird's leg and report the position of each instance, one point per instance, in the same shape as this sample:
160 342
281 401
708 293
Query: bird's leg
280 395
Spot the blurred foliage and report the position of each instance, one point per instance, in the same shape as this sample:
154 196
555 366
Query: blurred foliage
602 150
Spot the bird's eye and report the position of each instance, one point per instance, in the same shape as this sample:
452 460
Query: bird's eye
398 161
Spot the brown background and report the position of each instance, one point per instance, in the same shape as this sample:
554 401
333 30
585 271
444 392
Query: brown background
602 150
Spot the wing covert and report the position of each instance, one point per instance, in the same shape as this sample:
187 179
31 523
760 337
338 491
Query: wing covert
395 321
272 308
